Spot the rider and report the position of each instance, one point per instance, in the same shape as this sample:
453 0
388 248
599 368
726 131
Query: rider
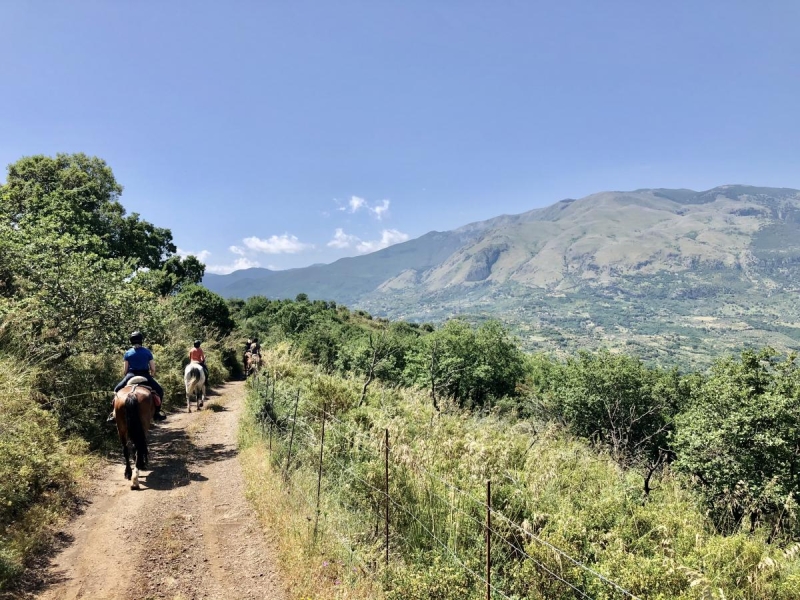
255 347
247 345
197 355
139 362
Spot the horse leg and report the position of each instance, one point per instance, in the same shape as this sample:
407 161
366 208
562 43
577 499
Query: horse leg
135 473
126 452
188 401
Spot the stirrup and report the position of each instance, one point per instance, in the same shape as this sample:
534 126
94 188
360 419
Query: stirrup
111 418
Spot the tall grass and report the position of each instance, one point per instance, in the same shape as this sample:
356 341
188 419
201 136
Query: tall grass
554 489
39 470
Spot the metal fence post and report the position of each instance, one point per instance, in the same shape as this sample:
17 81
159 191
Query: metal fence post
488 539
386 490
291 437
319 473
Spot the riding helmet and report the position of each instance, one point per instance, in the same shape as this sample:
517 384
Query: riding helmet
137 337
197 343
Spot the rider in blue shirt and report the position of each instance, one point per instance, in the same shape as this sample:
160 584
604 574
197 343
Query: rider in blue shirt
139 362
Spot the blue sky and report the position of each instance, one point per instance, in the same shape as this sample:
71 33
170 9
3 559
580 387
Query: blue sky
288 133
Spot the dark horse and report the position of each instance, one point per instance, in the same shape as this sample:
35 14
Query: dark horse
133 411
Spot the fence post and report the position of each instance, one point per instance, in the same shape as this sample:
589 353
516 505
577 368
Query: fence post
291 437
319 473
386 490
488 539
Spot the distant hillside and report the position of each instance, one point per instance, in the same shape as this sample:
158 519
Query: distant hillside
675 275
347 280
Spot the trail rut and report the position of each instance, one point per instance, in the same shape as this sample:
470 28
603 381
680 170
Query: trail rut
188 534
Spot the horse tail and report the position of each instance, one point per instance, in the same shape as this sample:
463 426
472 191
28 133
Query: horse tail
136 429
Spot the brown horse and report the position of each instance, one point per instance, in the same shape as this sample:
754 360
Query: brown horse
252 363
133 411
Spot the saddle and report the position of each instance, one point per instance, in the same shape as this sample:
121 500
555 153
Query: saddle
142 381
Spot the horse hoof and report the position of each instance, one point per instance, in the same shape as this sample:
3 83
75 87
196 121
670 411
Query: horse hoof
134 486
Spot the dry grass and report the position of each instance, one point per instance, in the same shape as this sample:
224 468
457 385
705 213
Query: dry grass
324 569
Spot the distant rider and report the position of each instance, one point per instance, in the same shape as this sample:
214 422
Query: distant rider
197 355
247 345
139 362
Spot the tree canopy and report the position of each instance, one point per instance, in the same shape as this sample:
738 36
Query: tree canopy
76 197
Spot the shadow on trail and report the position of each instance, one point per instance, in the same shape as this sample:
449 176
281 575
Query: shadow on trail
175 461
173 455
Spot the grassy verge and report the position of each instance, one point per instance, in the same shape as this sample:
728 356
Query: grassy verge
555 490
321 567
40 473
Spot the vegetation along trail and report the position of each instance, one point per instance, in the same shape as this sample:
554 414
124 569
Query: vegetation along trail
187 534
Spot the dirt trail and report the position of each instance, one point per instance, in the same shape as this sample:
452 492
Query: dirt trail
188 534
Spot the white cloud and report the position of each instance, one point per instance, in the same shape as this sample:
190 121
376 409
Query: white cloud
389 237
238 264
237 250
276 244
201 256
356 203
379 211
343 240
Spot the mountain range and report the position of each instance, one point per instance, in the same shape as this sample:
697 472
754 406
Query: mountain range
673 275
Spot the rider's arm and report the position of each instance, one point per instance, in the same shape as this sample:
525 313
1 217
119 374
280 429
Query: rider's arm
152 366
125 368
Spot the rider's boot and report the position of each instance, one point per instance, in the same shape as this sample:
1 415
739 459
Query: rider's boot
111 417
159 415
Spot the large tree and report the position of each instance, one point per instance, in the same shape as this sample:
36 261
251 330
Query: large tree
75 197
68 252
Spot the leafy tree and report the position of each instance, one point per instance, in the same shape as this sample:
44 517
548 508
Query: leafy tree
740 440
471 366
71 302
203 310
616 400
173 276
76 196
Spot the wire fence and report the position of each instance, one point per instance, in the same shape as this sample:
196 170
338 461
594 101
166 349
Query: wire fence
376 445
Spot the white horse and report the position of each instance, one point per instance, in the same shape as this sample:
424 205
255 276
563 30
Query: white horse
195 380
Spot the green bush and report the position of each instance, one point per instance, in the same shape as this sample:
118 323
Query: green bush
37 477
739 442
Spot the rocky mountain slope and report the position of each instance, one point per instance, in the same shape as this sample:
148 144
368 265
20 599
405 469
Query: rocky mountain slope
675 275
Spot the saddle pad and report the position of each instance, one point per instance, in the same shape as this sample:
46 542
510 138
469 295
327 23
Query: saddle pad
137 380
